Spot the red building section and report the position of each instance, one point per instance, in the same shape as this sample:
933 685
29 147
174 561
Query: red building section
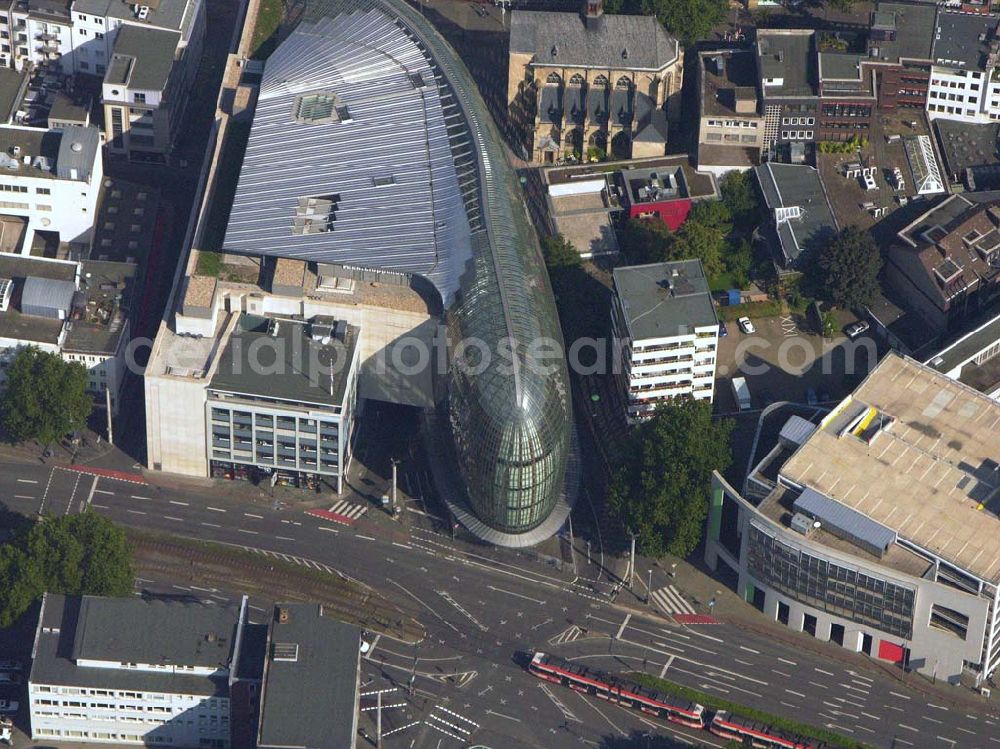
671 212
890 651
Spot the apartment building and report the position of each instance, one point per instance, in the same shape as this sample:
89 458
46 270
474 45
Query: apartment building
973 357
848 96
131 671
582 80
666 334
900 42
51 179
798 218
731 124
945 265
789 85
963 85
81 311
888 564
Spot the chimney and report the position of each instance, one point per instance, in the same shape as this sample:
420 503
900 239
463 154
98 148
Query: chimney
282 615
593 14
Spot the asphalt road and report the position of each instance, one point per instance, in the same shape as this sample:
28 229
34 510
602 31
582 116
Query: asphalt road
482 614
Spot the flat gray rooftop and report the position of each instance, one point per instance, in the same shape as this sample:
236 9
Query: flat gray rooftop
962 39
310 694
129 636
787 55
967 346
914 23
665 299
797 186
276 358
142 57
107 288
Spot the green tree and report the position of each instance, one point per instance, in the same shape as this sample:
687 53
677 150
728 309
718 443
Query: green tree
712 213
739 261
45 398
660 486
740 196
559 253
844 6
847 269
77 555
688 20
645 241
697 240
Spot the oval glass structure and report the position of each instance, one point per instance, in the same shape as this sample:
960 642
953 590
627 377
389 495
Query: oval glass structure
335 84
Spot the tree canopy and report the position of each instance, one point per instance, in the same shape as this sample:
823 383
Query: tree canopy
651 241
738 194
45 397
76 555
559 253
847 269
660 487
688 20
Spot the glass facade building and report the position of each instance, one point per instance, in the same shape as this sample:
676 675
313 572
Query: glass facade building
462 226
827 585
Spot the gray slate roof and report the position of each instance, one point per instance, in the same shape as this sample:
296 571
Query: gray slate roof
12 85
142 58
64 617
46 296
648 45
958 40
653 310
789 185
651 121
311 702
78 149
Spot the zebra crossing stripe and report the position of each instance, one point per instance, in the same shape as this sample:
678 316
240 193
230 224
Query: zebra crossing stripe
671 601
348 509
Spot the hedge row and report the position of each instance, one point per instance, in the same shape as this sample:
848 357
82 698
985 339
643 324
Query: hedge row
715 703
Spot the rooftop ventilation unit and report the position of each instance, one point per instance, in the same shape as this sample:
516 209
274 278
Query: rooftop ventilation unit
285 651
804 524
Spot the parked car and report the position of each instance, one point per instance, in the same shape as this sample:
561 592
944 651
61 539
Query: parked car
856 329
723 332
746 326
8 706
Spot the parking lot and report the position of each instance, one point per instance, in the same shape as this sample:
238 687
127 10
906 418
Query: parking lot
782 361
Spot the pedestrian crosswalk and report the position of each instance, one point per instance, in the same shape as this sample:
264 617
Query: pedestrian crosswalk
348 509
670 601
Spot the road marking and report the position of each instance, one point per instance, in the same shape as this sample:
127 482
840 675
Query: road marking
26 481
750 650
366 538
211 525
869 715
621 629
137 512
284 538
901 696
138 496
965 730
743 662
23 496
781 673
817 684
453 627
251 515
903 741
328 529
936 707
401 546
820 670
946 740
171 517
797 694
177 502
244 530
518 595
670 600
99 507
499 715
215 509
790 663
90 497
666 666
566 712
893 707
102 491
932 720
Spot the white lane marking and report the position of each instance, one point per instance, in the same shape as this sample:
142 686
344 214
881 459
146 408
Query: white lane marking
211 525
790 663
244 530
90 497
820 670
251 515
743 662
328 529
666 666
797 694
137 512
965 730
26 481
621 629
901 696
781 673
490 712
869 715
749 650
817 684
893 707
284 538
903 741
99 507
936 707
215 509
401 546
103 491
138 496
518 595
171 517
366 538
23 496
932 720
178 502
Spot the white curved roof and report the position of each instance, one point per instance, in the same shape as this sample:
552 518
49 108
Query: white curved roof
386 164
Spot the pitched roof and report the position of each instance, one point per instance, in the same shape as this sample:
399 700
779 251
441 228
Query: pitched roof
619 42
799 187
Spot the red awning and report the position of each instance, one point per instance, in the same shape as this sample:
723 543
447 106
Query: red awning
890 651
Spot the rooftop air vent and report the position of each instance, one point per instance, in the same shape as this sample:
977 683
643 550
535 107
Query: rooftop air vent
285 651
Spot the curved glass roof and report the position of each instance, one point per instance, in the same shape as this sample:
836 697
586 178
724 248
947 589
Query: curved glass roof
372 147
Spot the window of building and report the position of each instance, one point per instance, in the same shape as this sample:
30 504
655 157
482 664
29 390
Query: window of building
83 32
139 98
949 620
84 65
99 35
43 191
